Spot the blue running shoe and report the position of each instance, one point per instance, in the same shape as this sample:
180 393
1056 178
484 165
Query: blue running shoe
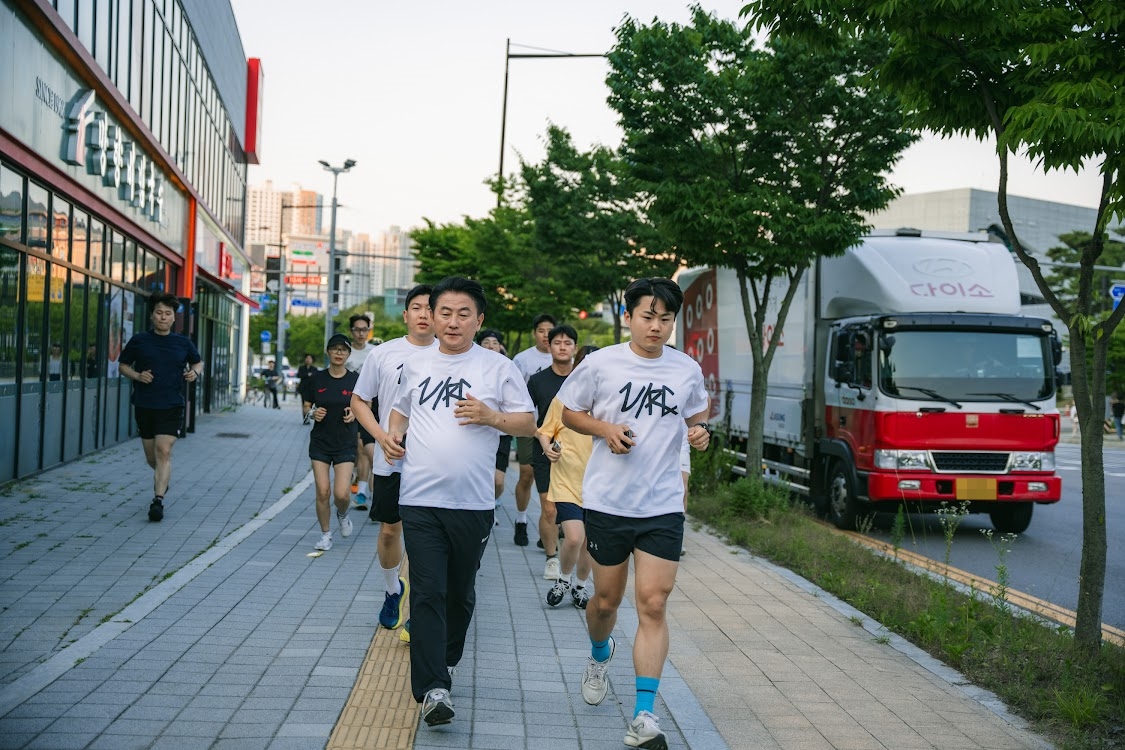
390 617
361 501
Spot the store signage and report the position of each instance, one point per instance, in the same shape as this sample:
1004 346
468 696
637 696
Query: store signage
298 280
298 302
92 142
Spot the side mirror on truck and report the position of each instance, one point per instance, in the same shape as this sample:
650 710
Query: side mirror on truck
1056 349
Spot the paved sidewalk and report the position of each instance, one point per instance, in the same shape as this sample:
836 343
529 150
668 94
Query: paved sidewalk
214 629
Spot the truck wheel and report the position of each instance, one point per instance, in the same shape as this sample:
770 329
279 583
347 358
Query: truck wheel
1011 518
843 507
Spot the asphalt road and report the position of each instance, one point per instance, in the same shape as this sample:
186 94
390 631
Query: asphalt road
1044 560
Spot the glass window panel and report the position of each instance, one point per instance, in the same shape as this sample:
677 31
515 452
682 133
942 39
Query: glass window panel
34 351
37 217
157 82
136 36
146 63
86 24
66 10
11 205
169 93
97 247
102 25
9 307
79 238
57 366
116 268
129 267
95 342
121 42
60 228
114 317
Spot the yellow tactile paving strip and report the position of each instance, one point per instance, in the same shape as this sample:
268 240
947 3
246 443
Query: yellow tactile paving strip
380 713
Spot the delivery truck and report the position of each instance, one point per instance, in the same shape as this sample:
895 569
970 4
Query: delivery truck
904 373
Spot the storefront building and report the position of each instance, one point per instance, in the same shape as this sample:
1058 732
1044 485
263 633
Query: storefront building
125 136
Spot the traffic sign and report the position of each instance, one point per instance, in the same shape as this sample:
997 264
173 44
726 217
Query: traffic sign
301 302
266 336
1117 291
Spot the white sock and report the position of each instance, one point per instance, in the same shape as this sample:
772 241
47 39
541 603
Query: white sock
521 516
362 488
390 575
580 583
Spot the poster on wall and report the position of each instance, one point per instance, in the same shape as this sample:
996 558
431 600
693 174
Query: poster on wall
115 343
121 305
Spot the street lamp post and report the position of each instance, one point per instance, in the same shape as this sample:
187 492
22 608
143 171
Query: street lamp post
330 313
281 290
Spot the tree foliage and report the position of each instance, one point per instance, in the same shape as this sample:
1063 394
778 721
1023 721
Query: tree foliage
757 159
1045 78
589 218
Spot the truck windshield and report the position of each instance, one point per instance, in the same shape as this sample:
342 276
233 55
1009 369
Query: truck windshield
965 365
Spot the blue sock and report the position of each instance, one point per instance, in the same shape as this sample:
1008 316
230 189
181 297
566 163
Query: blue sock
646 694
600 650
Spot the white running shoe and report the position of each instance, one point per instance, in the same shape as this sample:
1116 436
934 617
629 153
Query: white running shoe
345 526
553 570
325 542
644 732
437 708
595 682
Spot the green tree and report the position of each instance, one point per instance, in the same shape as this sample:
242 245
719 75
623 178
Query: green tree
758 160
1044 78
589 219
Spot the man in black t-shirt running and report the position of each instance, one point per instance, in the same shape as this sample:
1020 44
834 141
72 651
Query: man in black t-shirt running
543 387
159 362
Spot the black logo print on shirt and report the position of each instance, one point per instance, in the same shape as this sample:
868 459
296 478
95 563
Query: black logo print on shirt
648 397
444 391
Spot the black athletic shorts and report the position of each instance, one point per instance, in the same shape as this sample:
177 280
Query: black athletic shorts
503 453
384 498
568 512
365 436
523 449
336 457
153 422
611 539
542 468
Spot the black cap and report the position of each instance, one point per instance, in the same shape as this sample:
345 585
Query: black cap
337 339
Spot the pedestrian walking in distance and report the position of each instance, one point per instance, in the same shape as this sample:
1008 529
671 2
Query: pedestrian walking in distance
378 383
360 326
637 400
456 400
332 441
159 362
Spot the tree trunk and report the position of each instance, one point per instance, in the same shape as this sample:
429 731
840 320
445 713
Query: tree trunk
615 306
755 430
1089 396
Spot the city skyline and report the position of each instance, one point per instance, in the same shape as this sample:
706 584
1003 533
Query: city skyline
420 112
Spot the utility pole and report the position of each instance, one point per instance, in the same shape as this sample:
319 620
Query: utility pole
332 299
508 57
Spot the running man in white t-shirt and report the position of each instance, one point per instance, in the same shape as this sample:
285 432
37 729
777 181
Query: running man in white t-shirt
456 399
360 327
379 380
637 400
529 362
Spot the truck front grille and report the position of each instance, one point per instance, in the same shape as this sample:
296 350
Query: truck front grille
977 462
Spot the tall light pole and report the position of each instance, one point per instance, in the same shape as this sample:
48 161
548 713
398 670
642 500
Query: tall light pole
331 312
508 57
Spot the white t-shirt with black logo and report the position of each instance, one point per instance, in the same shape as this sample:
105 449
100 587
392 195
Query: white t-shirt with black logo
359 356
379 378
531 361
653 397
449 465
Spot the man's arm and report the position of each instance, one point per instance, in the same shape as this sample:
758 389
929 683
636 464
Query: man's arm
699 437
131 374
397 425
472 410
619 437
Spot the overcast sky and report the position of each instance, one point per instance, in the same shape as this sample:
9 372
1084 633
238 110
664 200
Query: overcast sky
412 91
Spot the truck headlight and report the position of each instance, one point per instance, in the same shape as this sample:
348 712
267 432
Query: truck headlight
1033 461
903 460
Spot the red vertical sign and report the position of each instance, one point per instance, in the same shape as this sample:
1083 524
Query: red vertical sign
701 331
